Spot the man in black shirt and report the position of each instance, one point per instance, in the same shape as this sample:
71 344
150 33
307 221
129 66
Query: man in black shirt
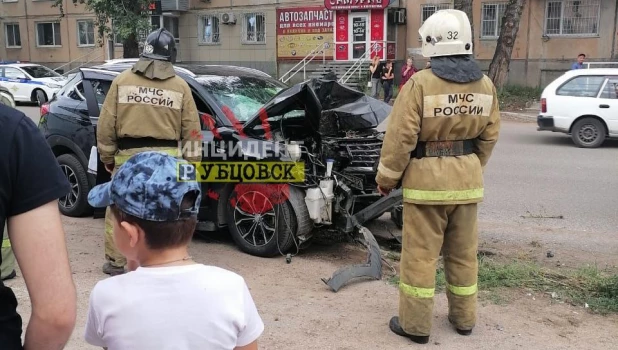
30 184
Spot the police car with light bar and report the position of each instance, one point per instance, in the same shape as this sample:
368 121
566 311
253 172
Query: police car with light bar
30 82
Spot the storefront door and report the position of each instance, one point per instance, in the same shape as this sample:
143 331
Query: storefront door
359 35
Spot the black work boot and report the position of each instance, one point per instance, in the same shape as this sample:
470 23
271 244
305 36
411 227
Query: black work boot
460 331
112 270
396 328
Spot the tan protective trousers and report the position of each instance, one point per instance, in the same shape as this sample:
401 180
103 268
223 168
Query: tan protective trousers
111 252
427 230
8 258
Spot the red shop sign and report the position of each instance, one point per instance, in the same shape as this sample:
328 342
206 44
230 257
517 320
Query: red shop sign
356 4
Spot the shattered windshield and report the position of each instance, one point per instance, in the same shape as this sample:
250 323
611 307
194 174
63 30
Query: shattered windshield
40 72
243 95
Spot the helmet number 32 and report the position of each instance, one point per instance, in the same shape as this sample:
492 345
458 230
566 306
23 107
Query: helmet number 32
452 35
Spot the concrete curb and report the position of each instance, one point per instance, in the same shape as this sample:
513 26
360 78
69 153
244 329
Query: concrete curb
522 117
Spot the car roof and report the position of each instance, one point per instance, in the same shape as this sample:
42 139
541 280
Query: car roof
211 69
121 66
194 71
19 64
592 71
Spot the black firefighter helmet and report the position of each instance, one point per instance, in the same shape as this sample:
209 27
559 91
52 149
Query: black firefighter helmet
160 45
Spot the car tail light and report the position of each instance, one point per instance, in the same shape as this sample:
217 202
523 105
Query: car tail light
44 109
543 105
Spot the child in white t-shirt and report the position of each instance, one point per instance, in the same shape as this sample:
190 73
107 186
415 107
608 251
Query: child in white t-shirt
169 301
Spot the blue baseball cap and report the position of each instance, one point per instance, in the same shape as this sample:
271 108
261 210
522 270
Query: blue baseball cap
146 186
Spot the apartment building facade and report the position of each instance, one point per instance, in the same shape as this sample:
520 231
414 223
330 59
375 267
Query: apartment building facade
273 36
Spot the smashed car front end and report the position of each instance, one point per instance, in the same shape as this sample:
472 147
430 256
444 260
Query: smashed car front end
335 129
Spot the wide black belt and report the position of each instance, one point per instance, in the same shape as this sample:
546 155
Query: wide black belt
443 148
141 142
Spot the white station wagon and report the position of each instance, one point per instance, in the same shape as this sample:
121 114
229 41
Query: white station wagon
582 103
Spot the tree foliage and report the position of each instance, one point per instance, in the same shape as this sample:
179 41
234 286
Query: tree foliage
130 17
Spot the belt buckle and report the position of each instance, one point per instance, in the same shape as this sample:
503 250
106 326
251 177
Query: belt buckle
443 148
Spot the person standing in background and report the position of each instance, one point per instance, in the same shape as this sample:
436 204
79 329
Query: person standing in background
406 72
580 62
375 70
388 78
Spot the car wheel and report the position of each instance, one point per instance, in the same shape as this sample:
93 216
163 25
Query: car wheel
261 219
40 97
588 133
75 203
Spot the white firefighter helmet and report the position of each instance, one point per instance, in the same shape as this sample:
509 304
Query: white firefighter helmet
446 33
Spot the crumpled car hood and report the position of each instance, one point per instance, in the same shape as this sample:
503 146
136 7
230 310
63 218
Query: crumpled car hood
329 107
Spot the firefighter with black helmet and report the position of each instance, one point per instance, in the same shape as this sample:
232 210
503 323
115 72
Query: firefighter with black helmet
148 107
442 130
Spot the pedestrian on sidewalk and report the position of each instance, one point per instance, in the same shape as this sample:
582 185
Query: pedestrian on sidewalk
437 148
169 301
406 72
580 62
375 69
388 80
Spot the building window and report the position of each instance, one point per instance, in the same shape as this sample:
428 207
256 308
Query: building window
85 33
430 9
48 34
13 37
491 19
209 29
254 28
579 17
391 32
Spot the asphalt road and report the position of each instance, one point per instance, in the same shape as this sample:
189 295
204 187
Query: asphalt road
543 175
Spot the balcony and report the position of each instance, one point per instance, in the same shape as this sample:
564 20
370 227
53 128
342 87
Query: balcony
174 5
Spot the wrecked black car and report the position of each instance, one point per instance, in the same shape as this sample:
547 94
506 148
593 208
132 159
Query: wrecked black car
248 115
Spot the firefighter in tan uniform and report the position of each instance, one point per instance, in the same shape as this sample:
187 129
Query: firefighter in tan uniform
147 107
442 130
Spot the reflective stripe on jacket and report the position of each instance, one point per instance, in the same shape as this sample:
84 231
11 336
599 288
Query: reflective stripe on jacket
429 108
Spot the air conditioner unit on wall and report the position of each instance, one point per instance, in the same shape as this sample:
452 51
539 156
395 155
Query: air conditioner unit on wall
228 18
400 16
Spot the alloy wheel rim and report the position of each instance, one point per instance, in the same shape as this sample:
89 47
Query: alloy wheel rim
255 218
69 200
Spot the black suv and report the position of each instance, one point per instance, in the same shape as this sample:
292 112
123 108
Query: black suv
321 118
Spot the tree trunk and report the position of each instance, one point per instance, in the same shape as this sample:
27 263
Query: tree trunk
130 47
466 6
499 67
